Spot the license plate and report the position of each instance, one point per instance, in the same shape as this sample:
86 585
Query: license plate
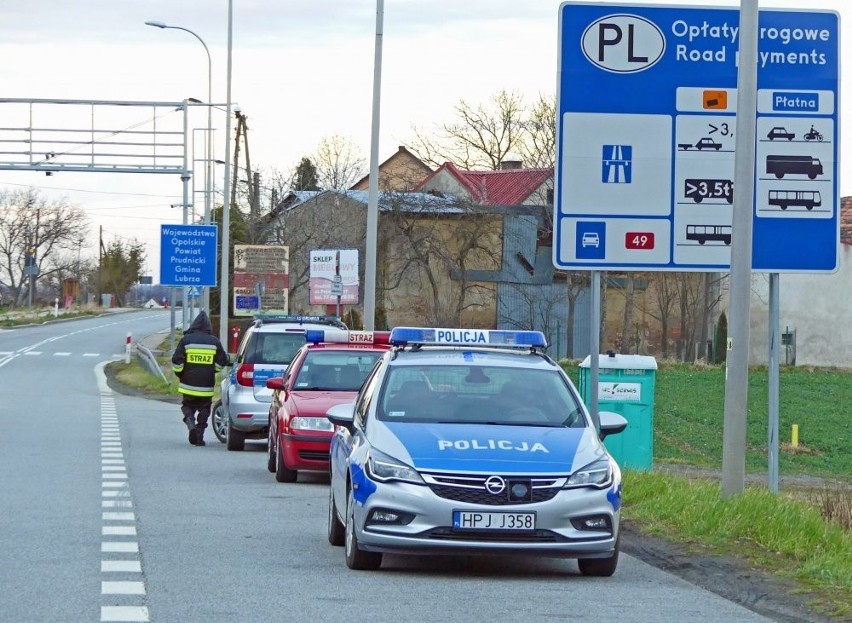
474 520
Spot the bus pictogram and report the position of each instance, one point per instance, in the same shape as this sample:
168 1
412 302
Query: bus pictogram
709 233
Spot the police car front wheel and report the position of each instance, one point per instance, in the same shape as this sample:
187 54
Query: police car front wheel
357 558
600 567
336 530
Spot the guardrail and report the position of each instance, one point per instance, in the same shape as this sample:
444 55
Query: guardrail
150 361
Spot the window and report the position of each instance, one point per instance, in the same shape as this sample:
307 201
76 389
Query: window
479 394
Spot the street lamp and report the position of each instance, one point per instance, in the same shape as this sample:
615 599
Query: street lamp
209 146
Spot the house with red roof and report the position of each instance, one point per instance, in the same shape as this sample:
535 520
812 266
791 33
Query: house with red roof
509 186
402 172
815 310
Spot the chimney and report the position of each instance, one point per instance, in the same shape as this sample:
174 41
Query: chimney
511 165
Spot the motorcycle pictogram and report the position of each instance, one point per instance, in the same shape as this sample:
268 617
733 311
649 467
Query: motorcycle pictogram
813 135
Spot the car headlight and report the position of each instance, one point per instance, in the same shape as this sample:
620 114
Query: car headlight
597 474
311 423
383 468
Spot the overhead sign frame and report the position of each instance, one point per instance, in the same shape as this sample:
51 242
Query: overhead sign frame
645 139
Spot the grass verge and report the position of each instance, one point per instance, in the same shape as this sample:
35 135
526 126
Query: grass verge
788 537
21 318
689 404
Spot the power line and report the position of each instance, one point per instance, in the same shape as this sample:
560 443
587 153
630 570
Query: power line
94 192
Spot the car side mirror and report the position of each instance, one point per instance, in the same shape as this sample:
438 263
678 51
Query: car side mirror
611 423
276 382
342 415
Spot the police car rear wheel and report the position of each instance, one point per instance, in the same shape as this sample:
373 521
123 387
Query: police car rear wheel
282 474
219 425
600 567
336 530
236 438
357 558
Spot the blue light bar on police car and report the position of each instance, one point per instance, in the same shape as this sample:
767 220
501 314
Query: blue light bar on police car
400 336
339 336
294 318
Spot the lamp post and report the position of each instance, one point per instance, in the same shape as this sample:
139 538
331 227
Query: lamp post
205 301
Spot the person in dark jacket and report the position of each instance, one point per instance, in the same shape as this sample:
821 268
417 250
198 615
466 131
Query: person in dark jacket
198 357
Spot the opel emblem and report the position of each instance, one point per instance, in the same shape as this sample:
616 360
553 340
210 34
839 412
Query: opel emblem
495 485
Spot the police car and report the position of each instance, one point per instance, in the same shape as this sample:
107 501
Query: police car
466 441
326 371
266 350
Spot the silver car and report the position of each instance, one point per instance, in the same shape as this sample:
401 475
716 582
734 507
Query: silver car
267 348
465 441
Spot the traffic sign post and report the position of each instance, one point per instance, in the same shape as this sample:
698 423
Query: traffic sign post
646 139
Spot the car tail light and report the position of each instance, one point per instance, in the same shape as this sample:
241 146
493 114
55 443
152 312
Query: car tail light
245 374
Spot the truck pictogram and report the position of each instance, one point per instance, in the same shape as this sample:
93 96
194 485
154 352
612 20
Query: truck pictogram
779 166
700 189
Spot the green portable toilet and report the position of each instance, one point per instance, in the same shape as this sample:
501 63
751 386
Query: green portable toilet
626 387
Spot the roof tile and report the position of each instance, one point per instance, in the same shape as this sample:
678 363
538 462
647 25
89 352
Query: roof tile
509 187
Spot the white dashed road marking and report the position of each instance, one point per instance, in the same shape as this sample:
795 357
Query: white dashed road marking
120 558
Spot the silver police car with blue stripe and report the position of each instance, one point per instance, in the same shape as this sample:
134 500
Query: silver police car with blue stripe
465 441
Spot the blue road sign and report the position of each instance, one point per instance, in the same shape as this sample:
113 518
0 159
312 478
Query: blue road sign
645 141
188 255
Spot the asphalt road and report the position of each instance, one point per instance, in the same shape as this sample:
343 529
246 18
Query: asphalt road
108 514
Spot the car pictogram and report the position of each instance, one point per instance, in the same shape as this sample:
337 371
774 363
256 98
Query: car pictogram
779 132
708 143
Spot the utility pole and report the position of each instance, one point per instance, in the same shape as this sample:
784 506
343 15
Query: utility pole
100 263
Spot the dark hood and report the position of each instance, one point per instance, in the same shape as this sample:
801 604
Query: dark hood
201 323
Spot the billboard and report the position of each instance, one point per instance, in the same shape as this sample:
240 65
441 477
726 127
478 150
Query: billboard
334 277
261 279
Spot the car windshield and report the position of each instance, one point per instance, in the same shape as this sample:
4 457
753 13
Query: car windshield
334 370
479 395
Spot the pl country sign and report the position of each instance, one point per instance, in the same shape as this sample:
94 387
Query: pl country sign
647 101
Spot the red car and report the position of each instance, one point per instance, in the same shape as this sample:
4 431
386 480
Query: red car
328 370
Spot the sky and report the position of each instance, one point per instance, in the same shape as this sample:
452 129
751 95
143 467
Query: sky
302 70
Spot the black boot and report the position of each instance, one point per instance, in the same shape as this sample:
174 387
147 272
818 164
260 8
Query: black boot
199 436
190 425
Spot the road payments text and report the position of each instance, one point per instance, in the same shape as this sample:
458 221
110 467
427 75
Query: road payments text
707 42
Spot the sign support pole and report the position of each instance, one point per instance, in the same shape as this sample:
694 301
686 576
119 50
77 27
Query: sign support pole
736 375
774 380
595 347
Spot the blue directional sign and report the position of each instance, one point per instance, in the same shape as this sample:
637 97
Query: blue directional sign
646 133
188 255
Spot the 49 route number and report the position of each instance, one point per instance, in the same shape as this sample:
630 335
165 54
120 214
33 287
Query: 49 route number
639 240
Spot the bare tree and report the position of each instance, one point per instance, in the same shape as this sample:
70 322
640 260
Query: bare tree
484 135
663 296
338 163
429 252
539 148
689 287
49 228
627 325
331 220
